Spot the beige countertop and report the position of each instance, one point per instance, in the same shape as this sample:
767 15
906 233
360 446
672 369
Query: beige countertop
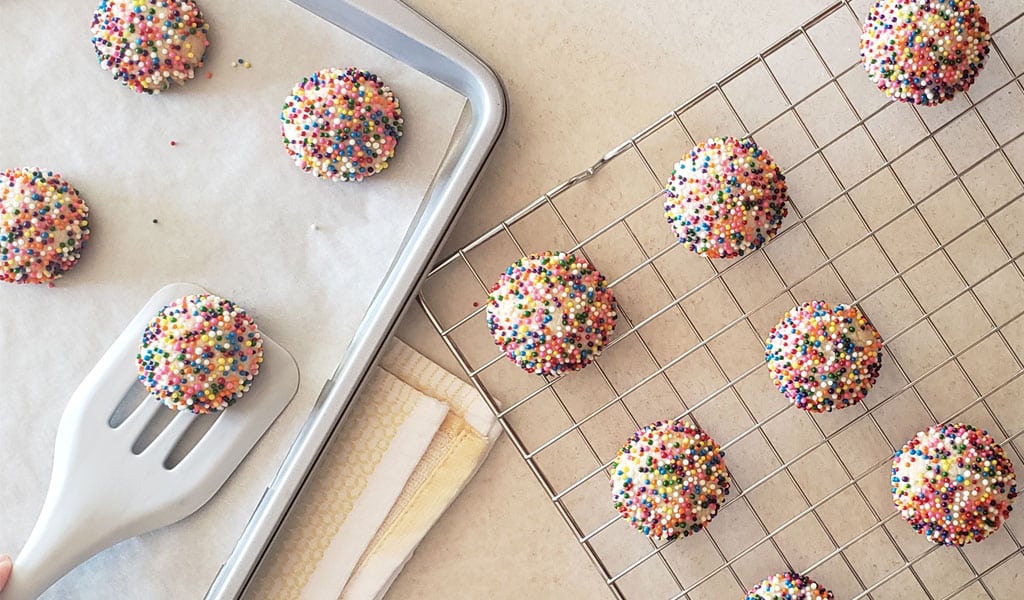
581 77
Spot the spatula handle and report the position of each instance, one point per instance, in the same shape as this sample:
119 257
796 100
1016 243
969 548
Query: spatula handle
48 555
61 540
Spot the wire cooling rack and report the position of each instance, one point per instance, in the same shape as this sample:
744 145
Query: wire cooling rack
914 214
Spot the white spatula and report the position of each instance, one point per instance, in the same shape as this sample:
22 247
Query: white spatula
102 492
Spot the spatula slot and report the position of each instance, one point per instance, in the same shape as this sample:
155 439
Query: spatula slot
129 403
157 423
192 436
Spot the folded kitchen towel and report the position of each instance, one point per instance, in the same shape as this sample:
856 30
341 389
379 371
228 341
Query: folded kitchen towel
414 437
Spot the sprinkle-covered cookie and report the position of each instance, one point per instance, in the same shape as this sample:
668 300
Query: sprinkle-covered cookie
43 226
953 484
551 313
789 586
924 51
726 198
200 353
149 44
824 358
669 480
341 125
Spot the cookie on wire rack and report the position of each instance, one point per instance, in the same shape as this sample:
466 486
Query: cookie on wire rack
824 358
924 51
669 480
789 586
726 198
551 313
953 483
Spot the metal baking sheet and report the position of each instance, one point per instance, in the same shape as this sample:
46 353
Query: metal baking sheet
324 267
409 37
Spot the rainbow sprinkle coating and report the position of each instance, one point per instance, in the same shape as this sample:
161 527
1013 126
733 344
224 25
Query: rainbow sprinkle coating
924 51
149 44
789 586
669 480
551 313
824 358
341 125
725 198
200 353
43 226
953 484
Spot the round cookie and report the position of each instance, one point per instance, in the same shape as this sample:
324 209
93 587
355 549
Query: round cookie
823 358
726 198
200 353
551 313
43 226
924 51
789 586
953 484
149 44
669 480
341 125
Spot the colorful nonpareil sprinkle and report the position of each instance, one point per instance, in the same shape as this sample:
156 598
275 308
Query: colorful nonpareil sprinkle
726 198
150 44
669 480
341 125
551 313
953 484
924 51
823 358
200 353
789 586
43 226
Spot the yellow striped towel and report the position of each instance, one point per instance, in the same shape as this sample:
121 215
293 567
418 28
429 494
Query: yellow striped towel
414 437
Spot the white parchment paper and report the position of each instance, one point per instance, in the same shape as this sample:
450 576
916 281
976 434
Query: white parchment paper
235 216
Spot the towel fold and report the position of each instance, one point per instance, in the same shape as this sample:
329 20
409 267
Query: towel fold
414 437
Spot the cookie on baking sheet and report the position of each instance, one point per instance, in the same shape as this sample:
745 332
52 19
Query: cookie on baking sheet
150 44
44 224
824 358
669 480
953 483
725 198
924 51
341 124
551 313
200 353
789 586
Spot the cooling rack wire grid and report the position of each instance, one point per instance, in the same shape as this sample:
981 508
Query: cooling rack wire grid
914 214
